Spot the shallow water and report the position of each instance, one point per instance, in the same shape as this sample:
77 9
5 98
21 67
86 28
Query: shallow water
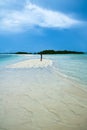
49 98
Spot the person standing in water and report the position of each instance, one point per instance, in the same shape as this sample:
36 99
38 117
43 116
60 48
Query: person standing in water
41 57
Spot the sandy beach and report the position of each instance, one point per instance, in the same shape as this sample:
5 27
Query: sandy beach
43 64
35 63
40 99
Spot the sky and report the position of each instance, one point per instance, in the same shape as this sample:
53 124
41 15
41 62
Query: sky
36 25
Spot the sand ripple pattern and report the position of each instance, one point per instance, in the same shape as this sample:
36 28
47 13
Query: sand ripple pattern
41 99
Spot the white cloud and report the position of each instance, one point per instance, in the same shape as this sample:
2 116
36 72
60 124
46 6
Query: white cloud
31 16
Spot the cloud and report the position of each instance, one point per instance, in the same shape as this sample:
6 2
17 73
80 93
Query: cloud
32 16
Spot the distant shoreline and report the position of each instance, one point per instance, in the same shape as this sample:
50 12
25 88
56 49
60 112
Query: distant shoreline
49 52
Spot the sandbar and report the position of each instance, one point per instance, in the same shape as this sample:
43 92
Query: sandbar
34 63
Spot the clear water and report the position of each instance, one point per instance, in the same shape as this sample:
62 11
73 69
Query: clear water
74 66
7 59
52 98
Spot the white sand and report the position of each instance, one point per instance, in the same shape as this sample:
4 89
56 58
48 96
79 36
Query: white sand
35 63
41 99
38 100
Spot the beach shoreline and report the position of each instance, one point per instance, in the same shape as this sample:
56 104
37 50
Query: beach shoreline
35 63
40 98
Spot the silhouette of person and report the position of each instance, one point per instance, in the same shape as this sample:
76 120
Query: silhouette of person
41 57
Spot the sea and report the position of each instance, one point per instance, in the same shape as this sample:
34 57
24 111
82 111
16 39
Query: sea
73 66
44 98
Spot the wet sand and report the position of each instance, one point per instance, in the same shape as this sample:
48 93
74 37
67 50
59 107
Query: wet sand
40 99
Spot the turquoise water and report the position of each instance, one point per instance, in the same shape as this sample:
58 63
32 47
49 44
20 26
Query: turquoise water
7 59
74 66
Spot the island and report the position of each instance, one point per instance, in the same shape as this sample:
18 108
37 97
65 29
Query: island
48 52
59 52
20 52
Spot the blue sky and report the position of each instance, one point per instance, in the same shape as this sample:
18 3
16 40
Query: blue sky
35 25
